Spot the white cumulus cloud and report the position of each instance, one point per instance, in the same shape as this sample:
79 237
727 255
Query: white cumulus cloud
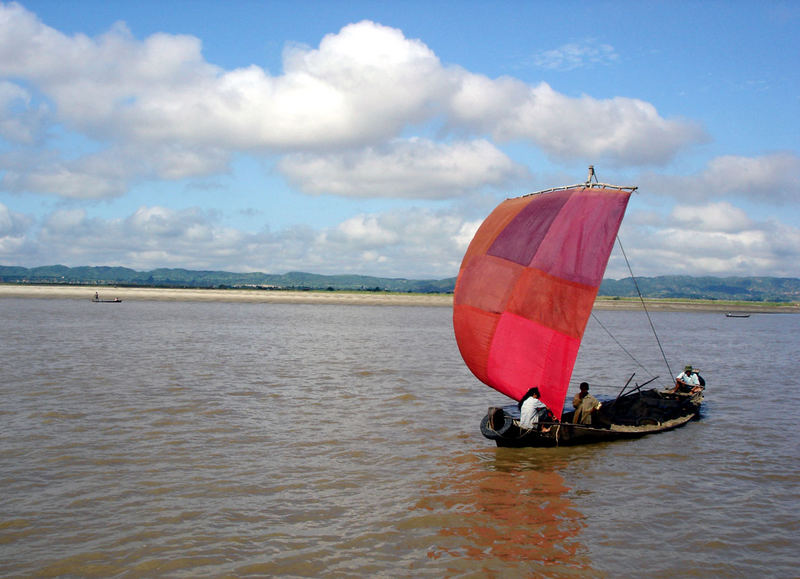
618 130
710 239
717 217
156 107
413 168
770 179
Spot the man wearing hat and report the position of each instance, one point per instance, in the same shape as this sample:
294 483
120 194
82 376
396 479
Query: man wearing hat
688 381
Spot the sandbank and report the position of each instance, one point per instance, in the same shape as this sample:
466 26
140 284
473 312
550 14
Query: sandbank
80 292
222 295
671 305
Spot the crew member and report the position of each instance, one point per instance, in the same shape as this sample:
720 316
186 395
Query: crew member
689 381
585 405
531 409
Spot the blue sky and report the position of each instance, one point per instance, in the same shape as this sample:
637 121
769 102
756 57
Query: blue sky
373 137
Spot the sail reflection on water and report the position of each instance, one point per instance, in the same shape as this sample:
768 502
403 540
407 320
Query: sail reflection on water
506 506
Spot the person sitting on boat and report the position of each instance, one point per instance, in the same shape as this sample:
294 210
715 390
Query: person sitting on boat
531 409
585 405
689 381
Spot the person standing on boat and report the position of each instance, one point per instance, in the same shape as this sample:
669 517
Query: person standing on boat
531 409
689 381
585 405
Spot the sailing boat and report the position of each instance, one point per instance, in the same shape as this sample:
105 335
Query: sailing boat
523 296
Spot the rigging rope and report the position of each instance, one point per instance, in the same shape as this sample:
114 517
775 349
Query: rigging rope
613 337
636 285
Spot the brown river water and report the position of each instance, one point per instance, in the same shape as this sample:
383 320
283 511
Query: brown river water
180 439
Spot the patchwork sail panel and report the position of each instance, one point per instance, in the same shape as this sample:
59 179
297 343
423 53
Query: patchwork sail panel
521 238
581 237
487 283
476 329
551 301
527 285
494 224
543 356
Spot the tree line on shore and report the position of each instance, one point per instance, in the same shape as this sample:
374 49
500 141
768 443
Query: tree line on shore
764 289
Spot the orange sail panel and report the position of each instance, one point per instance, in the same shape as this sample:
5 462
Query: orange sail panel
527 284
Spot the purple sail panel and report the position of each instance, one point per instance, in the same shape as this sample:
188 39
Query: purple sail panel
520 239
580 238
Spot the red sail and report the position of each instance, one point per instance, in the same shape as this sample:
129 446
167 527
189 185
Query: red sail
527 284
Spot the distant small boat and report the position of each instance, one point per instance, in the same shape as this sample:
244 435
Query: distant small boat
732 315
96 299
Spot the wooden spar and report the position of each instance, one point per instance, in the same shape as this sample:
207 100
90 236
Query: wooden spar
623 389
639 386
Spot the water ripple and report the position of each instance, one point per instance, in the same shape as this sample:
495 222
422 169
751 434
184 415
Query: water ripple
183 440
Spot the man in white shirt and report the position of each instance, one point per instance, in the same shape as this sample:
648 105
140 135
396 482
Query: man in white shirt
688 381
531 408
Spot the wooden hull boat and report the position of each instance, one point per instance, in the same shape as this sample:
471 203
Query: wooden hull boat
524 293
114 301
731 315
630 416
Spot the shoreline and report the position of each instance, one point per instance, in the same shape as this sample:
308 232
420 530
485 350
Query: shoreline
352 298
87 292
688 305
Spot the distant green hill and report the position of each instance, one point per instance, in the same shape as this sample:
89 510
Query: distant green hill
760 289
184 278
